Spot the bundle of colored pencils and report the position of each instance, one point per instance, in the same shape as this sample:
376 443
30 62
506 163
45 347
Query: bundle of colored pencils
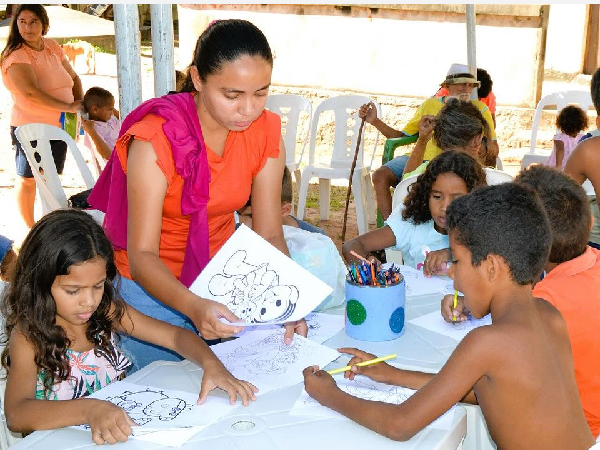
371 274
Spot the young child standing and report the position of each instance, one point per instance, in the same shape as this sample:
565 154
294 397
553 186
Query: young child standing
62 318
519 369
571 121
419 225
102 124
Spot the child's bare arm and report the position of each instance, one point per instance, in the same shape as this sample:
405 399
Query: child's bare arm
192 347
101 146
559 148
366 243
452 384
24 413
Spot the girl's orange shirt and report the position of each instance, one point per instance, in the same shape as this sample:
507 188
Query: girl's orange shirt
245 154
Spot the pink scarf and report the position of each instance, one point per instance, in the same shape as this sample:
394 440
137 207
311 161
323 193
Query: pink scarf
184 133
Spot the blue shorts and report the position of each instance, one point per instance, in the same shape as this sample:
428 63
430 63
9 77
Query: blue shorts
397 165
143 353
59 152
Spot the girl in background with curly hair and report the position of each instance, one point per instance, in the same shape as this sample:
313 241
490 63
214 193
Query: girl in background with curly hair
62 319
418 226
571 123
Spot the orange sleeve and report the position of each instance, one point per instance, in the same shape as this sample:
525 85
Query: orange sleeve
272 128
16 57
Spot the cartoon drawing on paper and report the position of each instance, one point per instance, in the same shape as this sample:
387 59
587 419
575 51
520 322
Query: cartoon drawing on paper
253 291
367 391
269 356
150 405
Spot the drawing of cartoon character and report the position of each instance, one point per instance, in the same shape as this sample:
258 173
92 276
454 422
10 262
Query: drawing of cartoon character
253 291
145 406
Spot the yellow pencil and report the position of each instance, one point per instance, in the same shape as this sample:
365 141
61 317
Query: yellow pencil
455 303
361 364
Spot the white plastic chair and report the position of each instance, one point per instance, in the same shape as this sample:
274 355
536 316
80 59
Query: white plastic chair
559 100
346 124
291 107
42 164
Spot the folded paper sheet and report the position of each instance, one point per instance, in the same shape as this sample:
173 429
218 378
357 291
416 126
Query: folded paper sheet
258 283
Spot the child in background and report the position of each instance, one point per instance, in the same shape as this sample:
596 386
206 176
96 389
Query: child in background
102 123
571 281
571 121
519 369
61 319
309 246
419 225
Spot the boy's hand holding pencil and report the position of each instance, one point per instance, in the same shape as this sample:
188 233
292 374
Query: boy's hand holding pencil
379 371
452 313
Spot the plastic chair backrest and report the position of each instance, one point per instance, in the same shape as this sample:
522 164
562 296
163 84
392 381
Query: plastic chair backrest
290 108
42 163
346 126
401 190
560 100
495 176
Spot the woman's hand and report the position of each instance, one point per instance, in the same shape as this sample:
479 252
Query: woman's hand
298 327
436 262
108 422
74 107
217 376
318 383
378 372
448 311
206 315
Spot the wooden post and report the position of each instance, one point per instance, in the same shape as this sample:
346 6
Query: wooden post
542 37
129 65
591 38
162 48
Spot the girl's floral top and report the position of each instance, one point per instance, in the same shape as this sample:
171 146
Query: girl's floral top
89 373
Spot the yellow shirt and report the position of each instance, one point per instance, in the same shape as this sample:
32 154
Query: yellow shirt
432 106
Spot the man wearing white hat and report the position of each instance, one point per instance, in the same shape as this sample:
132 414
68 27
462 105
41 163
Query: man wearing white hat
459 82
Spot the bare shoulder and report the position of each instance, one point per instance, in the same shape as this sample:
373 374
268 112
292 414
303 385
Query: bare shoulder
550 315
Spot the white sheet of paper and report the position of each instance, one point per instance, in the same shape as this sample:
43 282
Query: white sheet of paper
321 326
155 409
258 283
419 284
457 331
262 358
170 438
367 389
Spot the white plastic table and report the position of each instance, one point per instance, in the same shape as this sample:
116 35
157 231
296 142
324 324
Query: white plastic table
266 424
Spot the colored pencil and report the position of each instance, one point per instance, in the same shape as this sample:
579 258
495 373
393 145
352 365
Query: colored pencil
361 364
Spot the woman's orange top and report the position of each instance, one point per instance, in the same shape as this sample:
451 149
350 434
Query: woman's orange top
51 76
245 154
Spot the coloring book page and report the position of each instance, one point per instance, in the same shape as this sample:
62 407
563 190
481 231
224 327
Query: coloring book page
258 283
155 409
367 389
457 331
321 326
419 284
262 358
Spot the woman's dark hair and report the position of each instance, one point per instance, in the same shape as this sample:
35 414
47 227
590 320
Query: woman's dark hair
457 124
15 40
416 203
224 41
56 242
485 87
572 120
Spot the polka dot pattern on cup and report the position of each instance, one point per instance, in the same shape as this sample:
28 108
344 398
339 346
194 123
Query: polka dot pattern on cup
397 320
356 312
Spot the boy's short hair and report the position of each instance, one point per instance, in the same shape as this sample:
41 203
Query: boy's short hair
96 96
595 90
286 186
486 83
567 208
507 220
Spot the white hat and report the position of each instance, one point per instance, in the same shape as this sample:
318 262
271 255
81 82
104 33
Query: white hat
459 74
